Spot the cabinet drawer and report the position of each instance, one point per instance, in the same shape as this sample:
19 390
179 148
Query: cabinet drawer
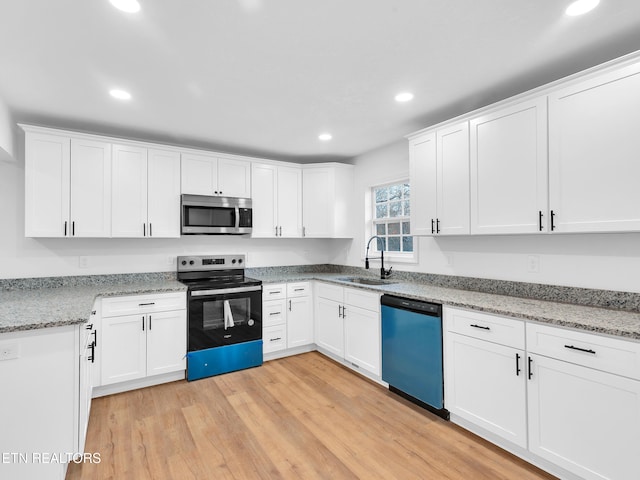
274 338
274 291
133 304
329 291
608 354
361 298
501 330
299 289
273 312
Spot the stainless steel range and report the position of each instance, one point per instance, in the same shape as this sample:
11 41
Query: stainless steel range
224 311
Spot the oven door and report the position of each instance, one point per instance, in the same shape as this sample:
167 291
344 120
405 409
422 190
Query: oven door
228 316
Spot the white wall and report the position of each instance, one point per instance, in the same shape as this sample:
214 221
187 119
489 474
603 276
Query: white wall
40 257
605 261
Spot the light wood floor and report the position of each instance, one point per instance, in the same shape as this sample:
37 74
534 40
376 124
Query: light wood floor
301 417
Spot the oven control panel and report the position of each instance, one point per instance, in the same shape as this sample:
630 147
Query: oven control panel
210 262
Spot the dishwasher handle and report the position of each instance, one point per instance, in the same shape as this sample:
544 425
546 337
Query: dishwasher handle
424 308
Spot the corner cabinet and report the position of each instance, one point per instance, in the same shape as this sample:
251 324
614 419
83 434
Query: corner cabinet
276 192
439 171
593 153
509 169
67 186
209 175
326 200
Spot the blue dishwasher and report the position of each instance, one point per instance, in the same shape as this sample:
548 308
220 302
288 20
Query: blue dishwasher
412 351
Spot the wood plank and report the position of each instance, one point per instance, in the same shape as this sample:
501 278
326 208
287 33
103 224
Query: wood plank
297 417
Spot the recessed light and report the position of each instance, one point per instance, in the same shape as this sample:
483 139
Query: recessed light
325 137
129 6
580 7
404 97
120 94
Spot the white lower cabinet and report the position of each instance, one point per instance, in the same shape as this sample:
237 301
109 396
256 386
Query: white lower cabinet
347 325
569 402
299 315
287 316
152 341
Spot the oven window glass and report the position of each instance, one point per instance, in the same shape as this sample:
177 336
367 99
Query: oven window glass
209 217
225 314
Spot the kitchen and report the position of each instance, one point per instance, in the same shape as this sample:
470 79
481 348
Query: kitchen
599 261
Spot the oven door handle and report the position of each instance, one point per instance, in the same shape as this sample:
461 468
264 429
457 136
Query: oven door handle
223 291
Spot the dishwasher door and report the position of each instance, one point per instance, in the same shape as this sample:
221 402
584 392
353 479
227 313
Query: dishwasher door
412 351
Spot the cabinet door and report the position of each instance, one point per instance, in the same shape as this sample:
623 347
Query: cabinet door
163 193
90 188
199 174
423 174
166 342
263 194
234 178
317 201
47 175
486 385
453 180
362 338
593 153
289 202
509 169
329 326
129 216
124 353
299 322
584 420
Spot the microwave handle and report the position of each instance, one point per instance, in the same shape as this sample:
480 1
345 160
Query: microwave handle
237 209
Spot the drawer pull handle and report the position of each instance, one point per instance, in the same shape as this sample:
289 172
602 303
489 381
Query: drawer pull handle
518 370
146 304
273 292
289 305
480 326
275 339
586 350
530 369
89 327
298 289
275 313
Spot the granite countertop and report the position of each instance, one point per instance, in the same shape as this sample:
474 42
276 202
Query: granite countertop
45 307
607 321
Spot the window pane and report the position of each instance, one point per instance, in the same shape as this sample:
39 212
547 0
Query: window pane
407 208
394 228
395 209
381 210
407 244
395 192
381 244
381 229
406 228
394 244
381 194
406 190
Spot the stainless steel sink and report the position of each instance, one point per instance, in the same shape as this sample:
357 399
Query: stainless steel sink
367 280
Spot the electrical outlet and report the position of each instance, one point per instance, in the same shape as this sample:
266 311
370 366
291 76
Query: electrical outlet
83 262
449 259
533 264
171 261
9 351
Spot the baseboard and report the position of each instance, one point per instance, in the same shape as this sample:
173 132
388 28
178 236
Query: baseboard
289 352
138 383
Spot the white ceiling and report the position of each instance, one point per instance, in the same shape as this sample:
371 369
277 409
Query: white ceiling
265 77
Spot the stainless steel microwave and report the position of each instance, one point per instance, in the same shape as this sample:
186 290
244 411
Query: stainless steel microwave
208 215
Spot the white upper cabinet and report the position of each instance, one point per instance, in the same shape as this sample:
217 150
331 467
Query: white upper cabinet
509 169
67 186
326 193
593 153
439 171
208 175
146 192
277 201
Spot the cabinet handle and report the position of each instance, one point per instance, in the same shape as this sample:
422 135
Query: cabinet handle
480 326
144 229
586 350
518 370
65 228
280 231
339 311
73 228
298 289
274 292
149 322
92 357
145 304
553 226
275 339
143 323
275 313
344 312
530 369
150 229
276 230
95 338
433 226
539 220
437 225
304 232
89 327
289 305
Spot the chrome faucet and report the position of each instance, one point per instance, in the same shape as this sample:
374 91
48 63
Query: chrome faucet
383 273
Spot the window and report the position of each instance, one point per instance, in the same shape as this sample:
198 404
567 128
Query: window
391 211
